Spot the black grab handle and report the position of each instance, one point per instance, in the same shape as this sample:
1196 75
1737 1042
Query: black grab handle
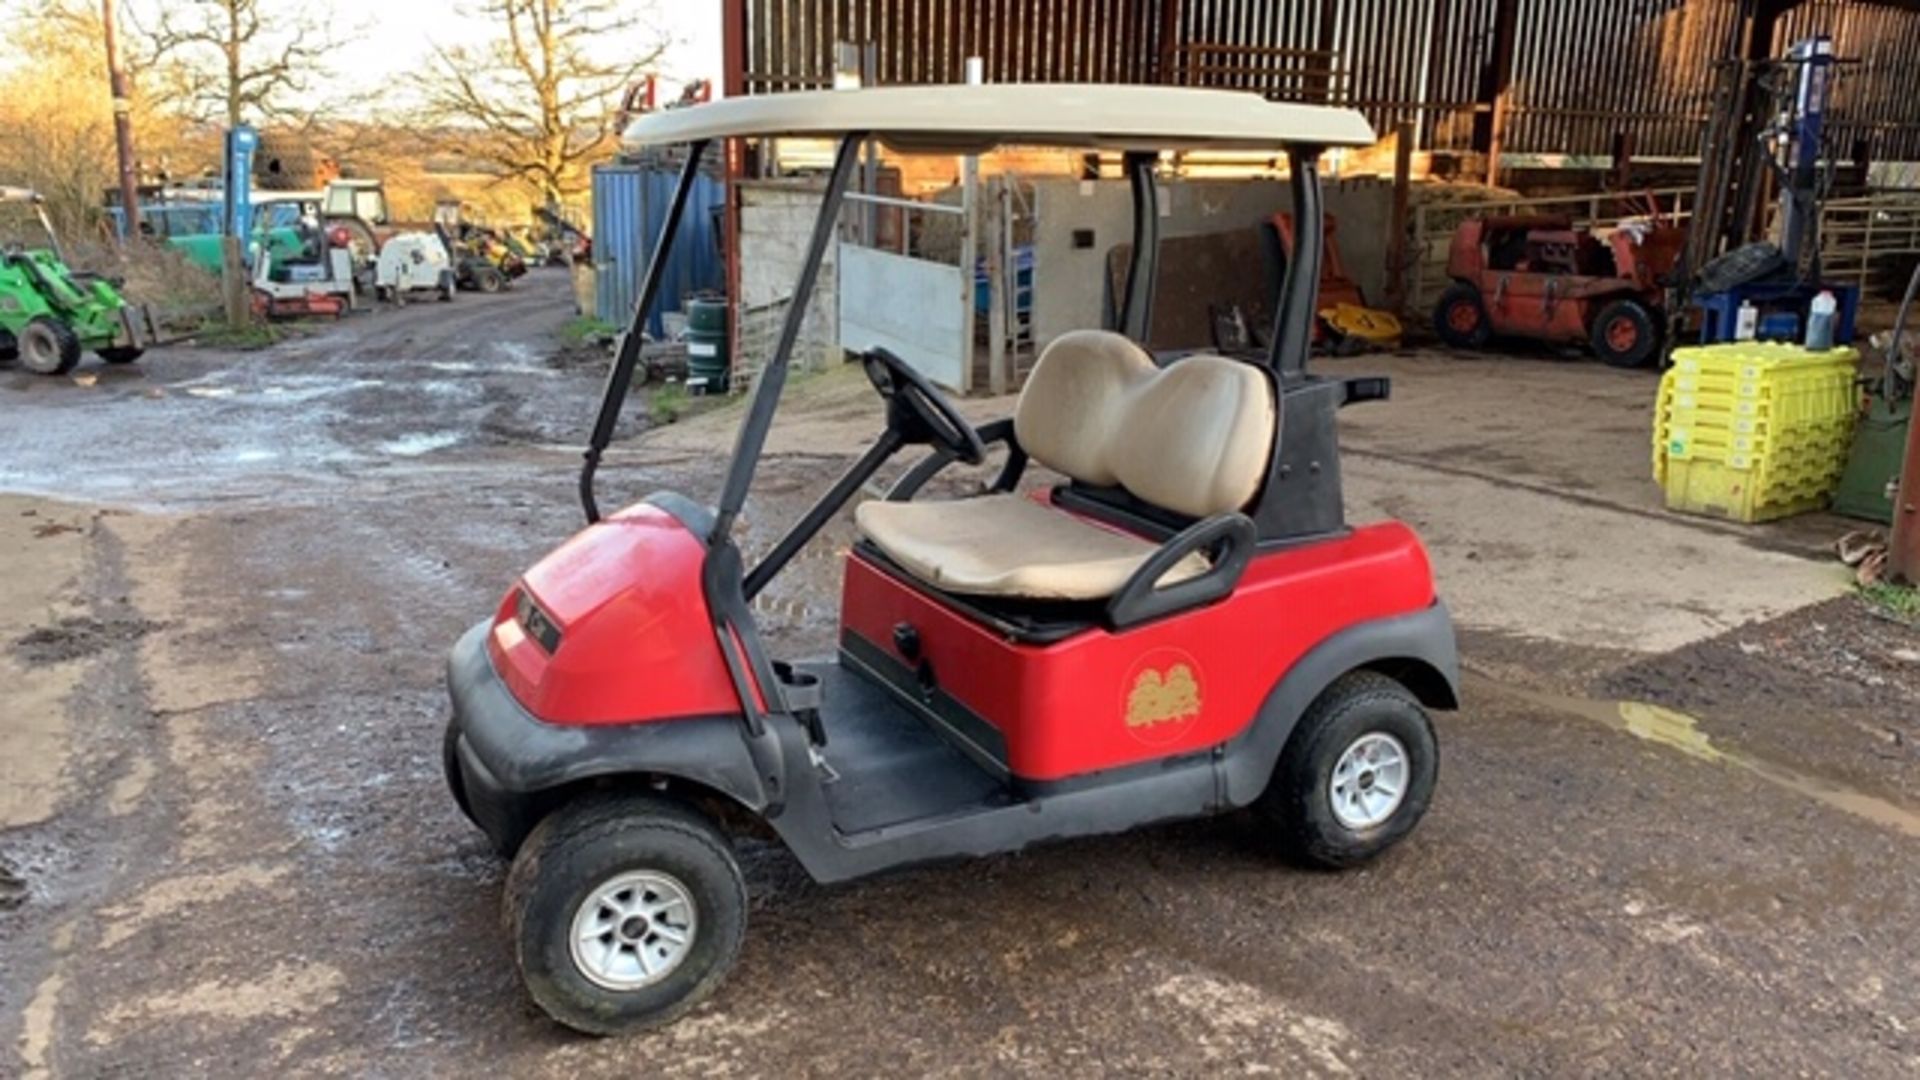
1229 538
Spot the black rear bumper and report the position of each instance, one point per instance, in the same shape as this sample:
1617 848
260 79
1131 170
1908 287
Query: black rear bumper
513 765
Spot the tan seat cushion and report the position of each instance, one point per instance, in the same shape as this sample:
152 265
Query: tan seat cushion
1193 437
1009 545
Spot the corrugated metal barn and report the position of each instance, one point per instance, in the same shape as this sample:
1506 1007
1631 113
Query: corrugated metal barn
1595 110
1551 77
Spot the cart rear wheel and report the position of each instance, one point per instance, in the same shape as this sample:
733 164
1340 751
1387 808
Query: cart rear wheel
624 913
1356 775
1624 334
488 280
48 347
1461 318
120 354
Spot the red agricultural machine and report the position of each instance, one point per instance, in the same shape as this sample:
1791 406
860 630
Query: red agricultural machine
1539 278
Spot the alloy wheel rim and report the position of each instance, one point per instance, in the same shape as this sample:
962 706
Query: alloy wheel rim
1369 780
633 930
1622 334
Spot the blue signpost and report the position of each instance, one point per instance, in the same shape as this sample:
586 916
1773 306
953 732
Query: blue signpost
237 182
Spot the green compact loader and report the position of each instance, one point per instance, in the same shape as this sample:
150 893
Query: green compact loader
50 314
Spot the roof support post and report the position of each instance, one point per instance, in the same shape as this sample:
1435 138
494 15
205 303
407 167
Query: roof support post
1136 308
1293 323
1168 42
773 377
620 375
1496 85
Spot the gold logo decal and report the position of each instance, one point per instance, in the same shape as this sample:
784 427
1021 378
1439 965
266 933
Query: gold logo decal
1158 698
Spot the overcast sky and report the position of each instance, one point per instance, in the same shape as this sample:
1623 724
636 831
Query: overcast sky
396 37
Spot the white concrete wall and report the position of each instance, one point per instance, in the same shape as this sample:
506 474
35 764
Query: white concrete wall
776 221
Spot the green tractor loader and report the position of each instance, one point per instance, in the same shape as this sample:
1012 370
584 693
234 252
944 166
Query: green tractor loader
50 314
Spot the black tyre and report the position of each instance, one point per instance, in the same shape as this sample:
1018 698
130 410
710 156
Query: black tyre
488 280
120 354
1356 775
1741 265
9 348
450 767
1624 334
1460 318
623 913
48 346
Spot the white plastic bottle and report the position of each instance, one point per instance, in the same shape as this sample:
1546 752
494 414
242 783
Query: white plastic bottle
1820 322
1746 322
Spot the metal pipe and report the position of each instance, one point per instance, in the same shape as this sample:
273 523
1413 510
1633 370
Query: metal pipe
1136 308
906 204
620 375
1293 322
1903 547
766 390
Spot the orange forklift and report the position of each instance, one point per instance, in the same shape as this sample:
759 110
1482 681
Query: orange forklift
1539 278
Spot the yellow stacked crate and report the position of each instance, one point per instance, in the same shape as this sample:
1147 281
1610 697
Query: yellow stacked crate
1753 430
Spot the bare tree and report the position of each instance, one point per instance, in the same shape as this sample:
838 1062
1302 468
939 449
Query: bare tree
234 61
536 101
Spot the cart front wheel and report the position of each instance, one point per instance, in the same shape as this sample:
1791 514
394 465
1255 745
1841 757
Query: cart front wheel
624 913
120 354
1356 775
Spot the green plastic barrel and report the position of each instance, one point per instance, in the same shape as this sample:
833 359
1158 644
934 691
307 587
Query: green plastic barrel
707 341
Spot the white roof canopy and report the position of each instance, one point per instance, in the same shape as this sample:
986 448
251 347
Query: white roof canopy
975 118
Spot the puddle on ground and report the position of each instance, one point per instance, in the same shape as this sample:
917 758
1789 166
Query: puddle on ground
1678 731
420 442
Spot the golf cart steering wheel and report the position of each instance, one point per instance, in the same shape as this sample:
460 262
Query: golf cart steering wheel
918 411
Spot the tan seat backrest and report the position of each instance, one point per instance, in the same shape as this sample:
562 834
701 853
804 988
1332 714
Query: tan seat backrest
1193 438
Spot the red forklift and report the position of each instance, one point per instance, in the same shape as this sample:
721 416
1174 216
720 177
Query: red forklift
1539 278
1175 622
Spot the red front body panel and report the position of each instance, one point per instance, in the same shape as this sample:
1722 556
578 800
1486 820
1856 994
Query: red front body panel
1100 700
636 640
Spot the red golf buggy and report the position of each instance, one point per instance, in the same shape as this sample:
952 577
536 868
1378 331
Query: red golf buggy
1177 621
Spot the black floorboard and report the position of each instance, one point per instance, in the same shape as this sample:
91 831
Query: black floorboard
890 766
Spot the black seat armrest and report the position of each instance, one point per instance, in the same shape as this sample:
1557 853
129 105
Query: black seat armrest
1366 388
1227 539
995 431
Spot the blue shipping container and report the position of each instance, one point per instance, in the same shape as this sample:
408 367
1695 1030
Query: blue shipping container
629 206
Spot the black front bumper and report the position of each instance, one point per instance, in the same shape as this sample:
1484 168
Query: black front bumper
515 767
500 789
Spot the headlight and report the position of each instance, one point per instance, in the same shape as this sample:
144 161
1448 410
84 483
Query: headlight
536 623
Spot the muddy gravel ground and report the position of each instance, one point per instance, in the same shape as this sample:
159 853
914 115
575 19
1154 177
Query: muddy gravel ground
227 850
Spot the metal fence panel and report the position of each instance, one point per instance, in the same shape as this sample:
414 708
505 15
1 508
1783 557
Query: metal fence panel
629 207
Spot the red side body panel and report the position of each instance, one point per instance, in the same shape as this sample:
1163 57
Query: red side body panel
636 641
1100 700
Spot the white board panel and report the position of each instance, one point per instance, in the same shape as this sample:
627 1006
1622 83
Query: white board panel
914 308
